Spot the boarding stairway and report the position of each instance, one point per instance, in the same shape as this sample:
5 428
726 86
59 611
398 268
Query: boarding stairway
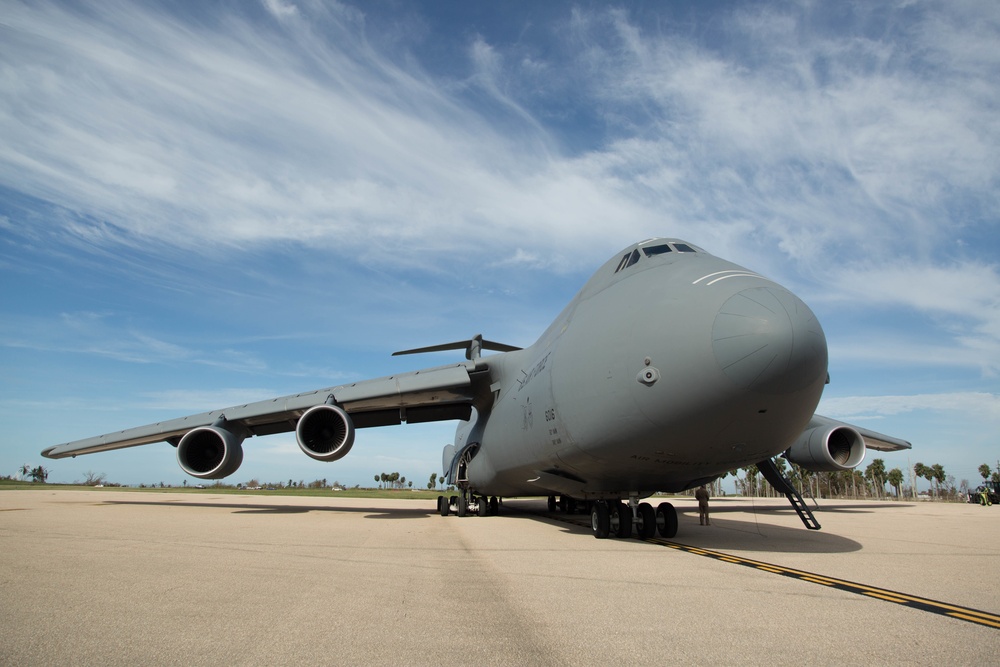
782 485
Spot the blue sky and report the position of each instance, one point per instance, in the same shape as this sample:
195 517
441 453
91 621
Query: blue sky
203 204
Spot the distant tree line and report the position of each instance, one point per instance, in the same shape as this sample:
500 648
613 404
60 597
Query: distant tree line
37 474
392 480
868 483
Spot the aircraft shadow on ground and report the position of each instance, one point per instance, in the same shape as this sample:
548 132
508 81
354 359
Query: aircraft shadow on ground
273 508
737 535
774 506
726 533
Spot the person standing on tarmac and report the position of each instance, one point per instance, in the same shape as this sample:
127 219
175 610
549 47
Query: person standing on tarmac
702 496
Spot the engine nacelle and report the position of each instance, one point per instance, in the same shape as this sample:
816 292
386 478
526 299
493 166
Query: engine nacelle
828 448
210 452
325 432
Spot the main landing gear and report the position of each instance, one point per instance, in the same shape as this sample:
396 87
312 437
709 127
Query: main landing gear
609 517
467 504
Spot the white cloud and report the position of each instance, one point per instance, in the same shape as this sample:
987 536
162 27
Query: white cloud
238 134
974 405
964 297
280 9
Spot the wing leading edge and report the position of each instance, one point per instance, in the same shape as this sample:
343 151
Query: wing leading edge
434 394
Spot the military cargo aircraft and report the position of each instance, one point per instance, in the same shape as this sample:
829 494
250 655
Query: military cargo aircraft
668 369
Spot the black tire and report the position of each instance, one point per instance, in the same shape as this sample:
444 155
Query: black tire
647 522
666 520
552 503
463 505
484 506
494 506
621 519
443 508
600 519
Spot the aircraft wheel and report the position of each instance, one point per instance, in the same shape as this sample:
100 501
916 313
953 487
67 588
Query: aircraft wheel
600 519
484 506
552 503
647 522
494 506
443 508
621 519
666 520
463 505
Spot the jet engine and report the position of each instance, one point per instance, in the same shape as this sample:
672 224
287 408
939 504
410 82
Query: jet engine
828 448
211 452
325 432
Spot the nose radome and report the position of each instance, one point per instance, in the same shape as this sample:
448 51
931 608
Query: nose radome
767 340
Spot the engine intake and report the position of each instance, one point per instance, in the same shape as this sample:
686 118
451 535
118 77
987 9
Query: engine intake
828 448
325 432
210 452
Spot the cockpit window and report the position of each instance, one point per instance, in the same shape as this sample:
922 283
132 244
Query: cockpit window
653 250
683 247
628 260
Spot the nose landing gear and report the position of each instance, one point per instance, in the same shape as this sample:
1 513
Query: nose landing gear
467 503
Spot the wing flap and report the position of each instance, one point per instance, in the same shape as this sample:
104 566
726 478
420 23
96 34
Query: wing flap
881 442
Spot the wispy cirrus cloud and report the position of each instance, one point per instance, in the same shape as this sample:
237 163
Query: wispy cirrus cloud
982 405
235 130
105 335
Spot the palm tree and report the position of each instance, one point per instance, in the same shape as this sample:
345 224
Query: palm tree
875 474
937 474
920 470
984 470
895 478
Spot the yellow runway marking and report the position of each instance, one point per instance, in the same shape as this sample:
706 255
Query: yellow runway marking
983 618
814 580
981 621
890 598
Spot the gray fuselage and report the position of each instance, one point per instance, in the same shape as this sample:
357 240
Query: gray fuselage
669 368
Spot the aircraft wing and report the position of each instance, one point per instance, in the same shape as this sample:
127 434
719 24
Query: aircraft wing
873 439
434 394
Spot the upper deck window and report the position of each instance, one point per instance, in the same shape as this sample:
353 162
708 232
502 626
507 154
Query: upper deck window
683 247
656 250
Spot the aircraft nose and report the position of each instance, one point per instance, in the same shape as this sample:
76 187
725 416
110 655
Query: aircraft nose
768 341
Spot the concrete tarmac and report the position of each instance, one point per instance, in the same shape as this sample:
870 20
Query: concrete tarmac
116 578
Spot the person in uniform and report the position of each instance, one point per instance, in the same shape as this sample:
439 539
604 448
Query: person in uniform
702 496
